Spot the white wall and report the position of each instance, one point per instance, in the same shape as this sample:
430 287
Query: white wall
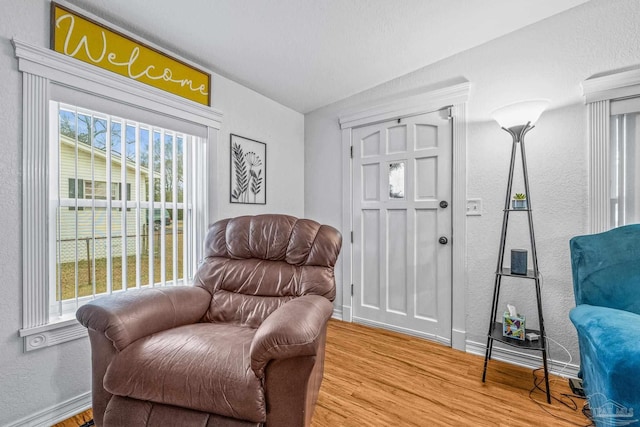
545 60
31 382
249 114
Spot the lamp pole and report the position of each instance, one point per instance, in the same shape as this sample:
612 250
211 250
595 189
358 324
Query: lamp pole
517 133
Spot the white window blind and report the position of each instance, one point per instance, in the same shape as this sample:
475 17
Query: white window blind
625 161
124 200
608 95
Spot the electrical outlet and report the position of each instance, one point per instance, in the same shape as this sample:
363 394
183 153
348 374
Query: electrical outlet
474 207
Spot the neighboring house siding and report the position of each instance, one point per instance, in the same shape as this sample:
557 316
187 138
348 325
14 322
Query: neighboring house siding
93 222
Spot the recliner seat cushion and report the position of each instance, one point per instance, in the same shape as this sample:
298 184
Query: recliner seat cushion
206 367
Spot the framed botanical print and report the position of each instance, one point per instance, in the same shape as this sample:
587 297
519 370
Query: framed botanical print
248 171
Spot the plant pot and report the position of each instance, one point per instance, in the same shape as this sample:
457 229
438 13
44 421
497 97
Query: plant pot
519 204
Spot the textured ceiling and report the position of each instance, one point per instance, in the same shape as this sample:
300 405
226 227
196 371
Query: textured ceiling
309 53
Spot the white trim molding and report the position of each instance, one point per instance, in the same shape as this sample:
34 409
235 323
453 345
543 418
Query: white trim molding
527 360
455 97
598 93
599 167
405 107
56 413
41 68
35 190
51 334
347 224
400 329
71 72
459 227
612 86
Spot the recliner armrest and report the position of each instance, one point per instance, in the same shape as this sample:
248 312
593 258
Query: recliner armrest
128 316
293 330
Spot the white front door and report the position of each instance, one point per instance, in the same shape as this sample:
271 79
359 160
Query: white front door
402 225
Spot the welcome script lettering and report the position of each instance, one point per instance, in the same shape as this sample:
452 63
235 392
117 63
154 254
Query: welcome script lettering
129 64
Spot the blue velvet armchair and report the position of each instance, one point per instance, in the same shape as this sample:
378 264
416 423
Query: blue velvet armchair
606 282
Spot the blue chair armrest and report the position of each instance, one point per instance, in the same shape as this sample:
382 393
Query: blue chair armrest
608 326
610 360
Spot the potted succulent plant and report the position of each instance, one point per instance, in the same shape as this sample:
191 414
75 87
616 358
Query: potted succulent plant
519 201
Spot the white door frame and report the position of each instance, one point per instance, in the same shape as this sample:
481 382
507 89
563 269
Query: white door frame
455 96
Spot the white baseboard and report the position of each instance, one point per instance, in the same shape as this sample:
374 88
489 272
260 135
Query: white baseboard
56 413
458 339
527 360
337 314
459 342
346 313
402 330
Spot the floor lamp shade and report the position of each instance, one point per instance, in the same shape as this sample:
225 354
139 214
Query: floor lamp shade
520 113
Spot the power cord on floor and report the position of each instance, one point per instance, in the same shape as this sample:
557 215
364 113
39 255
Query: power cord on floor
565 350
88 424
566 399
586 411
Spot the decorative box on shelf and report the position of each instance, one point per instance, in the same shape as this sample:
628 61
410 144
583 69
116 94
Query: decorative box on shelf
513 326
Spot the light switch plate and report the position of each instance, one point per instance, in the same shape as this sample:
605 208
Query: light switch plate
474 207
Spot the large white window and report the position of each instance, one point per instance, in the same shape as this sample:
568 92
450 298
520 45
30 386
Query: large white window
115 189
625 162
139 233
613 107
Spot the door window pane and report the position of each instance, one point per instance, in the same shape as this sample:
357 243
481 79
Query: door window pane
396 180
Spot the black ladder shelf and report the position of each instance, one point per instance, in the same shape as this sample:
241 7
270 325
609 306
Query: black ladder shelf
495 327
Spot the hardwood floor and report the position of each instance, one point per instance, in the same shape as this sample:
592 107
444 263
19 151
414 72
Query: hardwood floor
77 420
378 378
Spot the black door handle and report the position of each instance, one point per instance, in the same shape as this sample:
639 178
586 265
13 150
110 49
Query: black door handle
443 240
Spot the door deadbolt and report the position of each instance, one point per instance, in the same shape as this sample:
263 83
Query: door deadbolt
444 204
443 240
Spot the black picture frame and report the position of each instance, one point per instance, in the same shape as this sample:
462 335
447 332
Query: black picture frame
247 171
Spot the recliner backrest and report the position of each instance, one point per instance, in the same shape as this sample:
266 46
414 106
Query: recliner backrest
254 264
606 268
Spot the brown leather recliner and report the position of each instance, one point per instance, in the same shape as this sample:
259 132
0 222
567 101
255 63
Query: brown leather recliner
244 346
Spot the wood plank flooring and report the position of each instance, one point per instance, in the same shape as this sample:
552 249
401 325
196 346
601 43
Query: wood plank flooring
379 378
77 420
